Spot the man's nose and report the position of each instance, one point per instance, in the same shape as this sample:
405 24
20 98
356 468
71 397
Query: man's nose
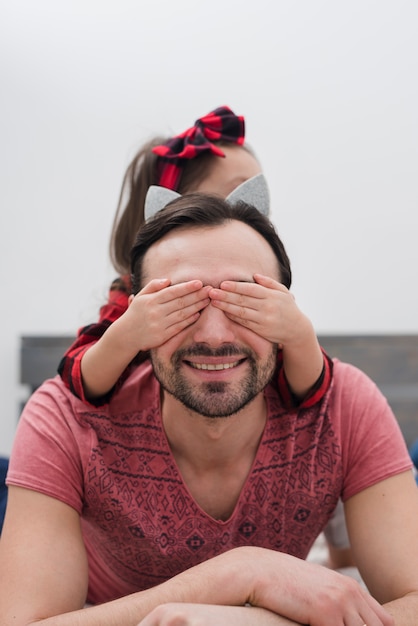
213 327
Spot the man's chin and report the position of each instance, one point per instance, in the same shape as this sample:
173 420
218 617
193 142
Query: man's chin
215 405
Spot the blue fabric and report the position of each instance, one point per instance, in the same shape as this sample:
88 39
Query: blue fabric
413 451
4 464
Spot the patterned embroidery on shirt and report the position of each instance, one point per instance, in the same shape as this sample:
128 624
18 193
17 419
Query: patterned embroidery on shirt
149 528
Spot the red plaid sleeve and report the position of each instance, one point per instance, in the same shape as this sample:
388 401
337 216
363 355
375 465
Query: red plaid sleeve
316 392
70 365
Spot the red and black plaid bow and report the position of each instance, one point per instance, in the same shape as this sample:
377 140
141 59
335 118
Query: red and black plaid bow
220 125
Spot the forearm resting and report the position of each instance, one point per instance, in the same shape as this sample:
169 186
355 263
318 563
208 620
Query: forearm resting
222 580
282 590
212 615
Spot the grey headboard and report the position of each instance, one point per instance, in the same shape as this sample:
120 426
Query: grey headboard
39 357
392 362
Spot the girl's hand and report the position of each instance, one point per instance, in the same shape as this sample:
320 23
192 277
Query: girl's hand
265 306
160 310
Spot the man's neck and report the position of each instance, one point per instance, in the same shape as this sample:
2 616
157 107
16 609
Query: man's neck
214 455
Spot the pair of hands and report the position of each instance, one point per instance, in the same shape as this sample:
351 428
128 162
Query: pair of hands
288 591
161 310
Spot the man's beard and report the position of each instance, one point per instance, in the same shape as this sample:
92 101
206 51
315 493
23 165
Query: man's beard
218 398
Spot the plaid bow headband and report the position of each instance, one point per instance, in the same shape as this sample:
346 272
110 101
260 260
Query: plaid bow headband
220 125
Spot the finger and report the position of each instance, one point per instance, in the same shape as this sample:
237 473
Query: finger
175 297
247 319
155 285
185 312
176 327
374 613
362 609
183 306
250 300
267 281
170 292
240 288
241 312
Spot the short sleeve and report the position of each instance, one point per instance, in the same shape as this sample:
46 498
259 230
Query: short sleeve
373 447
46 454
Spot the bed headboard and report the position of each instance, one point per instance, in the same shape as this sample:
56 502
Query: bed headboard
392 362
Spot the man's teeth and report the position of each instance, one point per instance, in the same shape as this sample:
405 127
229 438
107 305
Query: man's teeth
214 366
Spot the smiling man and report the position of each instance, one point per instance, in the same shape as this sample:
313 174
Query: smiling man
215 367
195 494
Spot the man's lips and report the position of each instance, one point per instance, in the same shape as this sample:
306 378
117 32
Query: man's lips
214 366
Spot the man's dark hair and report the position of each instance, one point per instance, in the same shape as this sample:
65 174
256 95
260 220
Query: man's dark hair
202 210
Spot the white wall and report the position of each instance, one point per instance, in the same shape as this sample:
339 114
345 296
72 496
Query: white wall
329 92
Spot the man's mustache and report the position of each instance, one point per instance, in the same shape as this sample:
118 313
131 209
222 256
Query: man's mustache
200 349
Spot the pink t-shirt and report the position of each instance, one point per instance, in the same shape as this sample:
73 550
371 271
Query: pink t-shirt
140 524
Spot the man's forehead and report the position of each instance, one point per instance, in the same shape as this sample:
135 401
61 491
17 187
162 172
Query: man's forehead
231 251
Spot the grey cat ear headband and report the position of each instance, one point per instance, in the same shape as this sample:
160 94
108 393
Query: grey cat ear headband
252 191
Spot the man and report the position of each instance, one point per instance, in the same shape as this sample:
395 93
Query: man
199 489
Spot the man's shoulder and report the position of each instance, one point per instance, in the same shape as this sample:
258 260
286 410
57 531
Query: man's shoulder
139 386
346 373
352 387
52 390
139 382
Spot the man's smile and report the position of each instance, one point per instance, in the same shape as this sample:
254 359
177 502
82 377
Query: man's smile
214 366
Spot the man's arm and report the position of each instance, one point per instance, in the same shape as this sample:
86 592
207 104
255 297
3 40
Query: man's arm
43 564
185 614
382 523
43 568
44 575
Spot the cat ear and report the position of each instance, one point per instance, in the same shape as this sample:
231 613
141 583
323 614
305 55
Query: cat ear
157 198
253 191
